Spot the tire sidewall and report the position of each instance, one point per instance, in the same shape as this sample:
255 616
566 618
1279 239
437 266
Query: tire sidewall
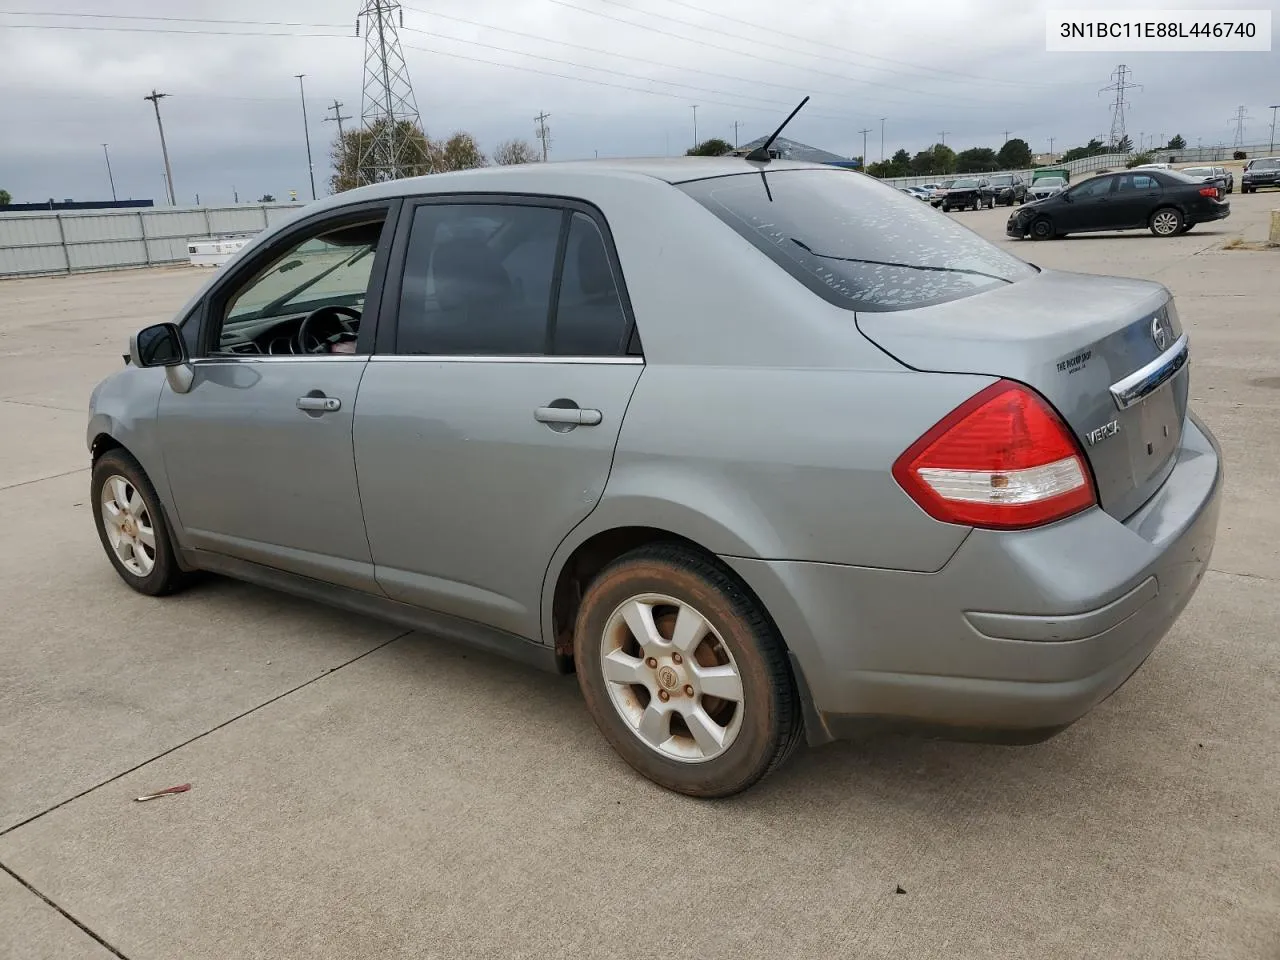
1048 232
165 572
752 751
1172 233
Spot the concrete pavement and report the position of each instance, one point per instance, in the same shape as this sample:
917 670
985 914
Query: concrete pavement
360 792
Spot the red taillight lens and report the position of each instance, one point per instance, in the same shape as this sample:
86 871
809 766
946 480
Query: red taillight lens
1003 459
1208 191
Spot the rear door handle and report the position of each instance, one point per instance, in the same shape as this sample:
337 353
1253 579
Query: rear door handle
578 416
319 404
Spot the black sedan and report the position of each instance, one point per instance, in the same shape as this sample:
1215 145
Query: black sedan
972 192
1162 201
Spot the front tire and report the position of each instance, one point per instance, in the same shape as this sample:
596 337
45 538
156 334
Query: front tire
131 525
1166 222
1042 229
684 674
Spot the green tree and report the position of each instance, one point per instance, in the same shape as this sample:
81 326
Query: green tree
900 163
510 152
1138 159
937 159
459 152
1092 149
266 198
715 147
977 160
1125 145
1177 143
5 197
346 154
1014 155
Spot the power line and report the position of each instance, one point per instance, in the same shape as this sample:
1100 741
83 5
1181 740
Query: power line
306 131
915 67
760 58
127 16
199 33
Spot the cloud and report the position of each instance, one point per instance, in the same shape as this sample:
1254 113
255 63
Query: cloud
617 76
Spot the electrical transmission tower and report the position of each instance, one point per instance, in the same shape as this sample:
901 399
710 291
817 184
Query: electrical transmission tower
1120 83
1239 119
390 144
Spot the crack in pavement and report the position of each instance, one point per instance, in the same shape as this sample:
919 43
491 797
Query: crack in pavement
65 913
43 406
1246 576
52 476
199 736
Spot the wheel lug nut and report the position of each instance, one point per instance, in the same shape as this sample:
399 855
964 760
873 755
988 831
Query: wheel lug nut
676 658
664 696
651 663
688 690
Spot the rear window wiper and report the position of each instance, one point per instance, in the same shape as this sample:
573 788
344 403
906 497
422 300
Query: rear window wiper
889 263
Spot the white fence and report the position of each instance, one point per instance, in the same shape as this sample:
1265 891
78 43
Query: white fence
75 241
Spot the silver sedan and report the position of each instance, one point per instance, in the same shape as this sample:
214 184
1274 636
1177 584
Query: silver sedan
763 451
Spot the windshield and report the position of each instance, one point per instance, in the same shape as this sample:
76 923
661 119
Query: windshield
1269 163
1001 181
1050 182
854 241
965 184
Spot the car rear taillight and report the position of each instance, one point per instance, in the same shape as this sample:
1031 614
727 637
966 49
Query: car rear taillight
1003 459
1208 191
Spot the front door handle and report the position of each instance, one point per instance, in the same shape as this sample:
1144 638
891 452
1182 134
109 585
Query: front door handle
575 416
319 404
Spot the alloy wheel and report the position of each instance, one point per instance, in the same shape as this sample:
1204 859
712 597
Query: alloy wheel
1165 223
127 523
671 678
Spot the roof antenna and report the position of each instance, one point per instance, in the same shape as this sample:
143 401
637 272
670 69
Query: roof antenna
761 152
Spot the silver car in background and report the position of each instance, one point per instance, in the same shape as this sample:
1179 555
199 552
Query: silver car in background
763 451
1046 187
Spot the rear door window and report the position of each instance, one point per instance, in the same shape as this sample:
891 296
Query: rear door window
856 242
1134 182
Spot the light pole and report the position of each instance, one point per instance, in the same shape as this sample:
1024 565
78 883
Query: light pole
882 119
155 99
306 132
1274 108
695 126
109 176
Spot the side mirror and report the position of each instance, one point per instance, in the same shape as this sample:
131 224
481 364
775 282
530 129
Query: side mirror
158 346
162 346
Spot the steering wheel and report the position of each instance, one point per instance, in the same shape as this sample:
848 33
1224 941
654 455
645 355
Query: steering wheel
326 327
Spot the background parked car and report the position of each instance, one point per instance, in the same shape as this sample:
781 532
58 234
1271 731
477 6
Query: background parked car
1262 172
1009 188
1044 187
972 192
940 193
1213 175
1163 201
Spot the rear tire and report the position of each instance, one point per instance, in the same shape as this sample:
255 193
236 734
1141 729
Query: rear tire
1042 229
132 527
653 705
1166 222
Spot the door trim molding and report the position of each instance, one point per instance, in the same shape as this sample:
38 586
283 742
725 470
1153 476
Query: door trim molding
450 358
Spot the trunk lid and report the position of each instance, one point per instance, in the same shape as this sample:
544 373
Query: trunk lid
1078 340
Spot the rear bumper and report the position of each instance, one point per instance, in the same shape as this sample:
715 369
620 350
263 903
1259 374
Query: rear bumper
1018 636
1211 212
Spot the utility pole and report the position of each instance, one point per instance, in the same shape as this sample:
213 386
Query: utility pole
1274 108
113 179
306 132
1006 136
943 135
1240 117
1051 139
235 193
864 146
155 99
695 126
882 119
543 132
735 132
336 107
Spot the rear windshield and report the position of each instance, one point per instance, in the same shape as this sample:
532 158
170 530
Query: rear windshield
1198 171
856 242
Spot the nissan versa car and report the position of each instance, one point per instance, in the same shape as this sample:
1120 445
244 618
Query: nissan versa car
1162 201
763 451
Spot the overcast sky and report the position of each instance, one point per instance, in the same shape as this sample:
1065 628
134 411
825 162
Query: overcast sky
974 68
